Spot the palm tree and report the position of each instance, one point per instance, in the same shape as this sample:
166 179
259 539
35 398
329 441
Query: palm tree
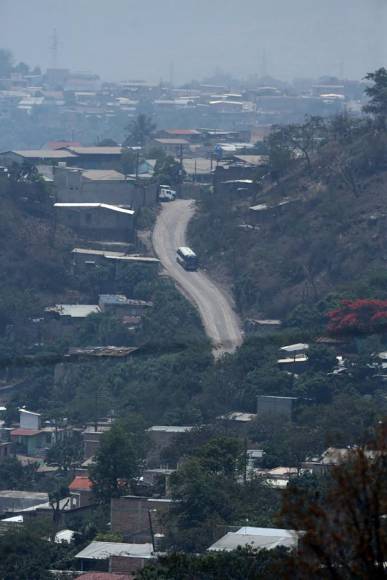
140 131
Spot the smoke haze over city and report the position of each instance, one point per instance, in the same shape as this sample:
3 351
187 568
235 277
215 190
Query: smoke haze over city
174 40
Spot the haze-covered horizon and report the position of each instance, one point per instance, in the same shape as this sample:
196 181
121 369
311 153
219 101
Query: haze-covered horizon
177 41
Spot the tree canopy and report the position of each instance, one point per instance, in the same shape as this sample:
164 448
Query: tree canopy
140 130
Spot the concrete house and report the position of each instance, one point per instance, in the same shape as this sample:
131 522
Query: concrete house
172 145
97 221
115 556
257 538
30 438
97 157
161 437
108 186
138 518
275 406
123 305
81 490
36 156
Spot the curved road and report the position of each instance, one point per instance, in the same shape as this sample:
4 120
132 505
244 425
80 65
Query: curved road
220 321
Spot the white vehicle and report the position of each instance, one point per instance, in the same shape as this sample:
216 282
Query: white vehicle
166 193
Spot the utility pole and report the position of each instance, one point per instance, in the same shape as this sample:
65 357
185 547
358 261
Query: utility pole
181 170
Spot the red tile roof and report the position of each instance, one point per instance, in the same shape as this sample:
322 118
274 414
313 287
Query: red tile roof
25 432
81 483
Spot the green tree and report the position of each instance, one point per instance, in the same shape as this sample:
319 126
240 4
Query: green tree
140 130
129 160
208 495
280 152
169 171
24 555
240 564
117 463
344 534
377 94
65 453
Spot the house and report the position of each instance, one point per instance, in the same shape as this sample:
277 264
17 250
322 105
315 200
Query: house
97 221
190 135
91 437
121 304
252 160
138 518
81 488
159 479
330 458
104 576
73 184
199 169
30 438
96 157
115 556
161 437
173 146
275 406
66 318
237 186
86 258
236 421
36 157
262 325
256 538
295 349
278 477
16 501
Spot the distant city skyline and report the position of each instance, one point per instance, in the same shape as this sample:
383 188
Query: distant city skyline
171 40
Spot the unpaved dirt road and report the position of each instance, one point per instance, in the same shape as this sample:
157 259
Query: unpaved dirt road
220 320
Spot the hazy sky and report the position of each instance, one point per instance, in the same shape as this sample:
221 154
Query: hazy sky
121 39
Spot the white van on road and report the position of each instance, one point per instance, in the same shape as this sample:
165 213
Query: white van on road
166 193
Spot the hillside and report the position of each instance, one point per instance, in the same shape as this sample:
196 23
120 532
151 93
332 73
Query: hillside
327 236
33 261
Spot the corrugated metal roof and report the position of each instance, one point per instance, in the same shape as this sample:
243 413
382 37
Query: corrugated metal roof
255 160
170 428
95 150
171 141
103 576
298 347
95 206
200 165
103 175
104 550
44 153
74 310
259 538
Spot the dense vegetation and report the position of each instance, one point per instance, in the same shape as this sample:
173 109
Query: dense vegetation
299 264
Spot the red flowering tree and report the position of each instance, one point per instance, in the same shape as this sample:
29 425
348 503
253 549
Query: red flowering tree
361 316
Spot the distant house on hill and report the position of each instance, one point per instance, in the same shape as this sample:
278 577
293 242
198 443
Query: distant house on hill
97 221
256 538
30 438
97 157
74 184
36 156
